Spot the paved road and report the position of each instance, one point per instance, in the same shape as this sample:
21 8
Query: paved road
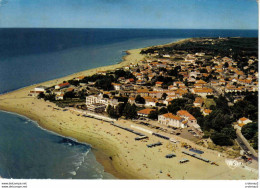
243 143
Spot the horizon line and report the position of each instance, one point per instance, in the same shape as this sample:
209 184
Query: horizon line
119 28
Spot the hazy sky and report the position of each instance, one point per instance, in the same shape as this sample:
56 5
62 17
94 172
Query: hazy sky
197 14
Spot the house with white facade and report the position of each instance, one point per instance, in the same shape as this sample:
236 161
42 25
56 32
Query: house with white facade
40 89
171 120
150 101
187 116
203 92
117 86
62 85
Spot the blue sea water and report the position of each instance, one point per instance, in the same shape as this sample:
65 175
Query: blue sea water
29 152
29 56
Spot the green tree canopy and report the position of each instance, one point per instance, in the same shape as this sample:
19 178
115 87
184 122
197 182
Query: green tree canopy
153 115
139 100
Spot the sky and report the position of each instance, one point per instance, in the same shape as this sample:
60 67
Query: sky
175 14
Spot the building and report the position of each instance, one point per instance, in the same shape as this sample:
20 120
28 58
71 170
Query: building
131 100
116 86
206 112
40 89
79 78
158 84
97 107
34 93
98 99
203 92
198 102
143 92
243 121
145 112
187 116
155 94
191 120
59 97
91 99
171 120
149 101
63 85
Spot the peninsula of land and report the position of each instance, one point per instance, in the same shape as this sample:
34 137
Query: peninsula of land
127 112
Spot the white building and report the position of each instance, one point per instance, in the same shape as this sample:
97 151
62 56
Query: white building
242 121
203 92
188 117
59 97
98 99
117 86
171 120
149 101
62 85
40 89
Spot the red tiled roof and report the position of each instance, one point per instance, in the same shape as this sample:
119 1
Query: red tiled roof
198 100
64 84
80 77
70 89
142 91
158 82
186 113
131 80
203 90
200 82
171 116
207 111
243 119
146 111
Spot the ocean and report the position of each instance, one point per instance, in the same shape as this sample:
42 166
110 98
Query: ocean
29 56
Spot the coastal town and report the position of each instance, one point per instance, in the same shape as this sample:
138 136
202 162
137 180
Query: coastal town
161 113
168 92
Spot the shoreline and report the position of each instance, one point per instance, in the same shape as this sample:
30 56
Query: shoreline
100 155
114 148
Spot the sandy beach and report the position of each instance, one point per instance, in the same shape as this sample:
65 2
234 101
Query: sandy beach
115 148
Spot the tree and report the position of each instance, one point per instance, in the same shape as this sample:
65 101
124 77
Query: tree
255 141
190 96
226 65
74 82
195 111
153 115
69 94
41 95
163 110
122 73
112 112
164 95
120 108
230 132
104 84
82 94
221 139
176 105
222 104
129 111
122 99
249 130
105 96
50 97
139 100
